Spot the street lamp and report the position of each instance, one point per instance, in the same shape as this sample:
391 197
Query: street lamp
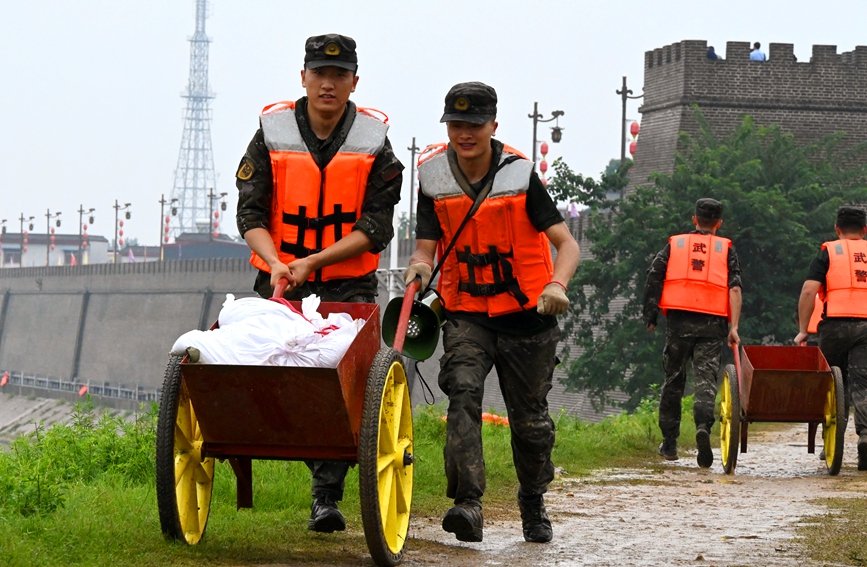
624 96
164 238
24 237
49 234
556 130
82 230
119 223
213 223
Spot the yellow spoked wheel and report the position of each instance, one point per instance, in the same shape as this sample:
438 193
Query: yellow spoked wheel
730 419
184 479
385 459
834 427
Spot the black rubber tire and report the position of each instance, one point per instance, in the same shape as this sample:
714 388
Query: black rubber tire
368 461
734 440
842 421
167 502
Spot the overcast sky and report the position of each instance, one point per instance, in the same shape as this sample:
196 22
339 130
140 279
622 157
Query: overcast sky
91 107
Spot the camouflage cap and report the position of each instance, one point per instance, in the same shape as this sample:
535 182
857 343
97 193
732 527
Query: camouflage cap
710 209
851 216
470 102
330 50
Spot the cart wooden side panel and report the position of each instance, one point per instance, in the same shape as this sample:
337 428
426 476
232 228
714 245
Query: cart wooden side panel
287 412
784 384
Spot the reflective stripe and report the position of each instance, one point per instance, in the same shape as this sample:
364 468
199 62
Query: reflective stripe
437 181
366 135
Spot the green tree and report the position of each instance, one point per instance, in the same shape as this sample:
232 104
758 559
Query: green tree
780 202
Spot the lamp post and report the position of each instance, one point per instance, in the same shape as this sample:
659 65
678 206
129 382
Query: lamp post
413 150
82 230
213 224
556 130
24 237
2 233
119 223
49 234
624 96
164 238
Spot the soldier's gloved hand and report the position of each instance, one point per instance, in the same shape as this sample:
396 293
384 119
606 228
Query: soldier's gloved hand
420 269
553 300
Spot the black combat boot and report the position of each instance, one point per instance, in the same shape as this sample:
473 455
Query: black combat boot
668 449
705 453
465 520
534 517
862 451
324 515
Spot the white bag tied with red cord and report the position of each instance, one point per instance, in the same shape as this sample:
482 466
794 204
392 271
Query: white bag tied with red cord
259 332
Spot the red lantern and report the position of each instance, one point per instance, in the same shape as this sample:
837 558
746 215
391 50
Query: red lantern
52 247
634 128
216 234
25 239
167 229
216 214
166 238
167 220
120 233
84 244
84 227
120 223
544 182
543 166
24 249
52 238
544 148
632 147
52 230
120 242
216 224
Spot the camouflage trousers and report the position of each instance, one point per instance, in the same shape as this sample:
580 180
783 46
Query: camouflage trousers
525 367
844 344
329 477
706 355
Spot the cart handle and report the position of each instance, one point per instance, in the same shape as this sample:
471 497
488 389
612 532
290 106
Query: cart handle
280 288
405 310
737 352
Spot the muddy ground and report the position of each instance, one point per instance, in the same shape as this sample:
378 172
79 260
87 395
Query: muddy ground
667 514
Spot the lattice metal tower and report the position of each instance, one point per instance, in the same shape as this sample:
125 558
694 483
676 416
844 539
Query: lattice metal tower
194 176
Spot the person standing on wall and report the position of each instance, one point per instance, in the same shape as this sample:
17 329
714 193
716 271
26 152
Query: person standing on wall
840 268
696 281
317 189
501 293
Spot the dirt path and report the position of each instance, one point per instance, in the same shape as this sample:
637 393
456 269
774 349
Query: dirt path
668 514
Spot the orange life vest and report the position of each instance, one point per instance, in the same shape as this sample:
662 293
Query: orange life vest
311 209
500 263
696 278
818 310
846 281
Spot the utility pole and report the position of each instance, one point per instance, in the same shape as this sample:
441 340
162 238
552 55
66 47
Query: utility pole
81 212
413 150
164 237
624 96
117 209
48 236
556 133
24 238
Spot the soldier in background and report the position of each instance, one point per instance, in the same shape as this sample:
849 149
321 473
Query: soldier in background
316 194
696 282
840 268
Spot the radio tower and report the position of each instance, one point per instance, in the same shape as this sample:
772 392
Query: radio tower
194 176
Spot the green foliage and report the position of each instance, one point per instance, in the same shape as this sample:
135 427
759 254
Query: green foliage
39 468
780 203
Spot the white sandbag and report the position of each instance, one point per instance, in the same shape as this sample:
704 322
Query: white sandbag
255 331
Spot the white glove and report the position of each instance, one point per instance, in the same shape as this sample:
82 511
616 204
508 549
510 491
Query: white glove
419 269
553 300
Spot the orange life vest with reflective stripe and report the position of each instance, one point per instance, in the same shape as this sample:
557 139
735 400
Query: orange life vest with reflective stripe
846 281
696 278
500 263
311 209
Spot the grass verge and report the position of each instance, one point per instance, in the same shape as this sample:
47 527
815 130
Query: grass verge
83 493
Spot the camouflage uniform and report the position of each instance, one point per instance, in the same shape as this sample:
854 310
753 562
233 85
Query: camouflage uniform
382 194
687 335
844 344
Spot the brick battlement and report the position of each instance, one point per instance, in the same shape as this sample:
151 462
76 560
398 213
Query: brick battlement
810 99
